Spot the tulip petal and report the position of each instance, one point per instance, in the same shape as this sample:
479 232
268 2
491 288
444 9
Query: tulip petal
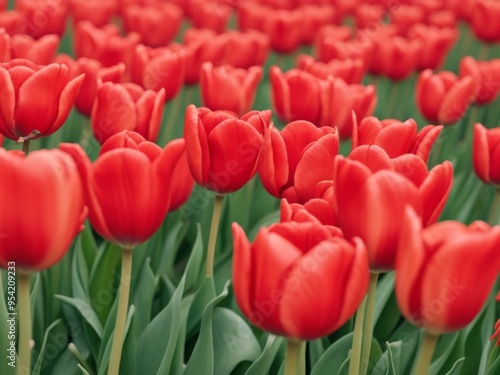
197 145
425 140
242 270
412 167
397 138
373 157
7 106
457 100
434 192
273 163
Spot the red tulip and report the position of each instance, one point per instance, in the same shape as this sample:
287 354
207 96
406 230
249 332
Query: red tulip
43 17
200 46
244 50
441 284
213 15
350 70
29 104
157 24
486 74
484 20
12 21
442 19
496 334
273 278
295 162
318 210
213 164
364 101
41 51
405 16
5 46
444 98
42 208
94 73
128 188
368 15
97 12
314 18
396 137
284 29
462 8
216 82
486 154
126 106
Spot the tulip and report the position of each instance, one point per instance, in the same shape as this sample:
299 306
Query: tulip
13 22
486 154
319 210
5 46
368 15
41 51
483 22
433 288
126 106
315 17
213 164
30 107
296 162
444 98
216 82
406 16
53 14
1 140
442 19
486 74
213 15
284 29
302 257
350 70
244 49
496 334
97 12
364 101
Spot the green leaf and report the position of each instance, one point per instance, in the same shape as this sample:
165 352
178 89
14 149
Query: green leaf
66 365
262 365
142 298
88 245
79 273
41 356
332 359
202 298
204 351
457 367
385 288
85 311
316 350
193 272
84 372
494 369
389 363
233 341
409 335
443 350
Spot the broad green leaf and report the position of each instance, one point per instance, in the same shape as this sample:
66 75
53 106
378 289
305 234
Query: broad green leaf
388 364
333 357
66 365
316 350
41 356
85 311
203 296
443 350
409 335
457 367
193 272
88 245
142 298
494 369
263 364
385 287
79 272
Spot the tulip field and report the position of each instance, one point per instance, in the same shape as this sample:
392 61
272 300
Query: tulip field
224 187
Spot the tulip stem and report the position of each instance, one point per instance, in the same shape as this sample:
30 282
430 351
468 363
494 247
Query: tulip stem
24 313
356 340
121 312
292 357
26 147
426 350
368 323
494 218
212 239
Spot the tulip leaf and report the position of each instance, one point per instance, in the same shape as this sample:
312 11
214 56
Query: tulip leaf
385 288
193 272
409 335
494 369
263 363
169 251
41 356
388 363
203 296
443 350
457 367
84 372
233 341
204 350
88 245
67 364
332 359
316 350
85 311
142 297
79 272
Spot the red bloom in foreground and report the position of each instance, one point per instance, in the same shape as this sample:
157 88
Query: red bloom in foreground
128 188
35 98
445 272
222 148
486 154
52 213
273 278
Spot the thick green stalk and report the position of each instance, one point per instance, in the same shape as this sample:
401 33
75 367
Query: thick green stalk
368 323
292 357
24 315
425 356
354 364
121 313
212 239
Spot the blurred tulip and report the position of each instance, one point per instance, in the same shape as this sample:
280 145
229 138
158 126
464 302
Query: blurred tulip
364 101
350 70
434 289
327 49
442 19
43 17
396 137
368 15
244 50
295 162
213 164
314 18
444 98
126 106
463 9
157 25
496 334
94 72
217 82
486 154
406 16
486 74
273 278
213 14
41 51
31 108
129 187
284 29
5 46
485 14
97 12
38 224
13 22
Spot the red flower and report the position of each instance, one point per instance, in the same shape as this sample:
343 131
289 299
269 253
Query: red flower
440 283
486 74
273 278
157 24
212 15
283 27
350 70
1 140
295 162
406 16
42 208
41 51
128 188
126 106
216 82
486 154
485 14
43 17
98 12
314 18
5 46
213 164
396 137
444 98
35 98
364 101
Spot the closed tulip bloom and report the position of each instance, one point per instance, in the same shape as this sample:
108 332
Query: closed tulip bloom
484 20
444 98
315 17
5 46
442 19
213 164
273 278
350 70
213 15
12 21
296 161
41 51
486 154
97 12
128 188
216 82
320 210
157 24
406 16
364 100
43 17
42 208
396 137
445 272
29 103
284 28
486 74
126 106
368 15
244 49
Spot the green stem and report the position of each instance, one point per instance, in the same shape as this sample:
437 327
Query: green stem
356 340
26 147
121 313
24 314
292 357
212 239
494 218
368 323
301 365
426 350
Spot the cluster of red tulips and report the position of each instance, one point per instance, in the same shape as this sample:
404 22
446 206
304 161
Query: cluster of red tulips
291 108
